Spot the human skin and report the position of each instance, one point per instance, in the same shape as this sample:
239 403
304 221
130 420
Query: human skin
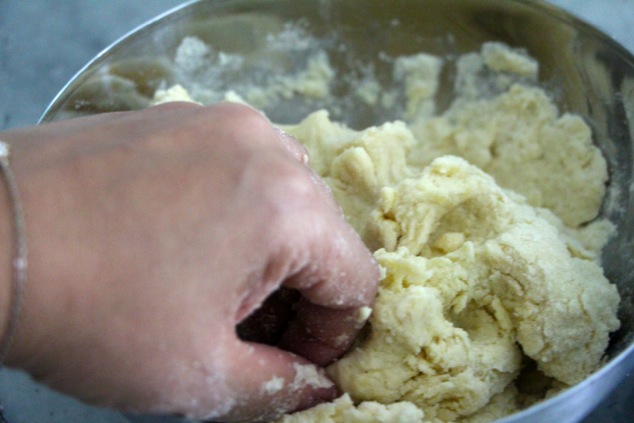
152 235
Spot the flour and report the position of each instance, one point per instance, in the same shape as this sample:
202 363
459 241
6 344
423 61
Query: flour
273 386
307 375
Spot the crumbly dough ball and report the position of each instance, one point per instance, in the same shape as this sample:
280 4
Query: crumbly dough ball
420 75
323 138
500 58
563 307
501 405
513 131
343 410
356 165
174 93
475 277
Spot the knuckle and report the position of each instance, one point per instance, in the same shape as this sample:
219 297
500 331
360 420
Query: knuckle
289 188
245 124
288 196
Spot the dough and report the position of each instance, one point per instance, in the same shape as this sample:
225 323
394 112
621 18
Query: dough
480 276
344 410
482 219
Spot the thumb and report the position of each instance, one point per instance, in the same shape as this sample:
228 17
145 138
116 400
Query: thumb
264 383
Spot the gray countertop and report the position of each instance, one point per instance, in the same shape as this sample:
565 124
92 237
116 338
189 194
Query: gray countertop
43 43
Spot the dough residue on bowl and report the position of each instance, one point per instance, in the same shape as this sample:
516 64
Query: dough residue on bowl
484 219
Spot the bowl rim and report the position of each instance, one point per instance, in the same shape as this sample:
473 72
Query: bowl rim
624 358
542 6
84 73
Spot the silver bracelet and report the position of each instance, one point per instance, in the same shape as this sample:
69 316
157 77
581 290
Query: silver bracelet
18 262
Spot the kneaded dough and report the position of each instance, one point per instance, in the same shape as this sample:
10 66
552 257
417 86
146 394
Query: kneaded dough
482 219
476 280
475 215
344 410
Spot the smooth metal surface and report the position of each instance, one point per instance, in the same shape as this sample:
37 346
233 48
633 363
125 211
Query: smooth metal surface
585 70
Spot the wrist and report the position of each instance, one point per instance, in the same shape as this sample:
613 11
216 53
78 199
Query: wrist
6 255
15 283
53 296
13 270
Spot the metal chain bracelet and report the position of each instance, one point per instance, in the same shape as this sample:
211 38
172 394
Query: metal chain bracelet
18 262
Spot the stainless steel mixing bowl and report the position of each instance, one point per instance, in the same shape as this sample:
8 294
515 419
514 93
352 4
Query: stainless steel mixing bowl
585 70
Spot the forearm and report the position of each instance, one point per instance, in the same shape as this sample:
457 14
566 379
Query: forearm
42 306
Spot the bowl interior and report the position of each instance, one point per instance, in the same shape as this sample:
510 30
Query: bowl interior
585 71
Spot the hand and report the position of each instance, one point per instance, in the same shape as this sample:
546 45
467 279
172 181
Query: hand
152 235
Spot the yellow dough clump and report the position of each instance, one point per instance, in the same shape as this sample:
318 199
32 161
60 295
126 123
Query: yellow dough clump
483 219
486 265
475 278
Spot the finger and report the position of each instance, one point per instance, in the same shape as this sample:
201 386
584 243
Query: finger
290 143
270 135
338 283
322 334
267 324
293 146
339 271
265 383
